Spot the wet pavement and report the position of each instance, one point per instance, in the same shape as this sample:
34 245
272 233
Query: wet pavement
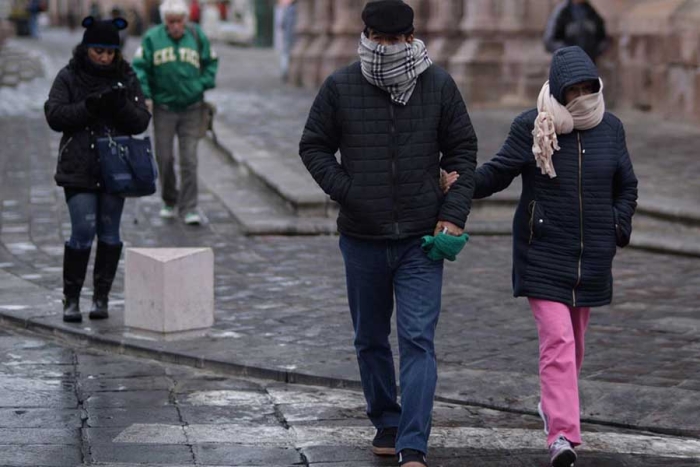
281 313
66 406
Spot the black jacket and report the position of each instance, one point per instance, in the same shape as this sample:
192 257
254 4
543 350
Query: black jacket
564 31
387 182
566 229
65 110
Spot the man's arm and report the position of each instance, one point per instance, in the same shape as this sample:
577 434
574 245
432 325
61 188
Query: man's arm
553 39
320 141
208 61
458 145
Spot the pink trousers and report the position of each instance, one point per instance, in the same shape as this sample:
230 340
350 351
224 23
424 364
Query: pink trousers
562 331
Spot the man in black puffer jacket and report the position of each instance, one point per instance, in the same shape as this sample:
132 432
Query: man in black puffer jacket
392 115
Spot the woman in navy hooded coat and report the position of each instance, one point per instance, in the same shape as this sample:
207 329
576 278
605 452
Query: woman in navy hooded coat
578 198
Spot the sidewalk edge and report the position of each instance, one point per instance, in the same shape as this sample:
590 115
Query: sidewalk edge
121 347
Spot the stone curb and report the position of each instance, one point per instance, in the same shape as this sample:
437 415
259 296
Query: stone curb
297 186
80 337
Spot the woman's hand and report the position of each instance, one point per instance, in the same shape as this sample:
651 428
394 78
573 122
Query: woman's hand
447 179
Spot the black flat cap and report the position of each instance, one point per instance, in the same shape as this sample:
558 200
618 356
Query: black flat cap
388 17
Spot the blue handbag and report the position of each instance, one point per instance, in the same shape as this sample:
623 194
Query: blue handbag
127 165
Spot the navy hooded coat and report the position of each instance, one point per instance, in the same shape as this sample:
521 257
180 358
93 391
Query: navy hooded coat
566 228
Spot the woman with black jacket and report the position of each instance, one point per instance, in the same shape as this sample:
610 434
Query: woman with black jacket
95 95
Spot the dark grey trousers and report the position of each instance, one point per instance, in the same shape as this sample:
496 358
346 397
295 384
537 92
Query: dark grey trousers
186 126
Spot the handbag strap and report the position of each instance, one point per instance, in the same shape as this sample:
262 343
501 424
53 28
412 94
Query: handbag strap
125 149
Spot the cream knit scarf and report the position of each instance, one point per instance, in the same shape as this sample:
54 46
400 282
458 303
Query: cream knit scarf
582 113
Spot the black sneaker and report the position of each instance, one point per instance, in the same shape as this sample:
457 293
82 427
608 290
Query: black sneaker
411 455
384 442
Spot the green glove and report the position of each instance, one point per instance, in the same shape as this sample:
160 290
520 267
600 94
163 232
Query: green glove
443 246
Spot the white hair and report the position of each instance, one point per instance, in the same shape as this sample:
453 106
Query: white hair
173 7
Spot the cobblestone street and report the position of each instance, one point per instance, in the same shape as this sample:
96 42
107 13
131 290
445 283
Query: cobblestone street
63 406
281 314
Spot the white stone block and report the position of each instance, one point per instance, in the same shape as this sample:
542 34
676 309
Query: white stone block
169 289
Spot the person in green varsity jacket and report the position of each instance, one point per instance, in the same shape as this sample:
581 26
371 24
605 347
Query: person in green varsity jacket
176 65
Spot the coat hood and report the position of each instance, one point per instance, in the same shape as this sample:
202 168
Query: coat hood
570 65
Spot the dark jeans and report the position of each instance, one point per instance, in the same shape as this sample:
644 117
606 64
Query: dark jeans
93 213
376 272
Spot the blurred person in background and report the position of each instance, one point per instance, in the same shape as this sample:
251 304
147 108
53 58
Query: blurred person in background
288 21
95 95
123 33
576 22
223 10
176 65
73 14
34 7
195 11
95 11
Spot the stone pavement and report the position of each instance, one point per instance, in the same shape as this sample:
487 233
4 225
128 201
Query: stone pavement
282 314
63 405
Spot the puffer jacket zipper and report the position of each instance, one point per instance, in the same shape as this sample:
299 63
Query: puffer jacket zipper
532 205
394 174
580 206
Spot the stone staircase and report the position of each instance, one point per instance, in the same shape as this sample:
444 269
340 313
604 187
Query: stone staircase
289 202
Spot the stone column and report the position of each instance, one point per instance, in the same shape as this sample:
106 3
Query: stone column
443 29
643 61
346 29
421 15
313 55
525 60
476 66
304 37
684 74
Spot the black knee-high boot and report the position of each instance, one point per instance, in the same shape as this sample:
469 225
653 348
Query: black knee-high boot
75 263
106 262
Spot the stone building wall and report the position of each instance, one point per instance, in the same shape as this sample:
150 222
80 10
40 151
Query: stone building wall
494 50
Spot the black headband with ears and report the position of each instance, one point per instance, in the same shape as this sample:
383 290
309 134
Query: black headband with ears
119 23
103 34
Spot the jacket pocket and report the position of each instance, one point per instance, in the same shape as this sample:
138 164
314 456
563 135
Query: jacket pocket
537 221
622 237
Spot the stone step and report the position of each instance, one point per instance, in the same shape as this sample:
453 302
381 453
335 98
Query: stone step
286 177
281 198
259 209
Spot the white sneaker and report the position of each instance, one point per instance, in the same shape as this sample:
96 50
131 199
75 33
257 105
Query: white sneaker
167 212
562 453
543 417
193 218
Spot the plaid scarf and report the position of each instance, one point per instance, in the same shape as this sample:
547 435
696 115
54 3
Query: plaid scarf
394 68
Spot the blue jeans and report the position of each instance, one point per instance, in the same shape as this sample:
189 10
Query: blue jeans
93 213
376 272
